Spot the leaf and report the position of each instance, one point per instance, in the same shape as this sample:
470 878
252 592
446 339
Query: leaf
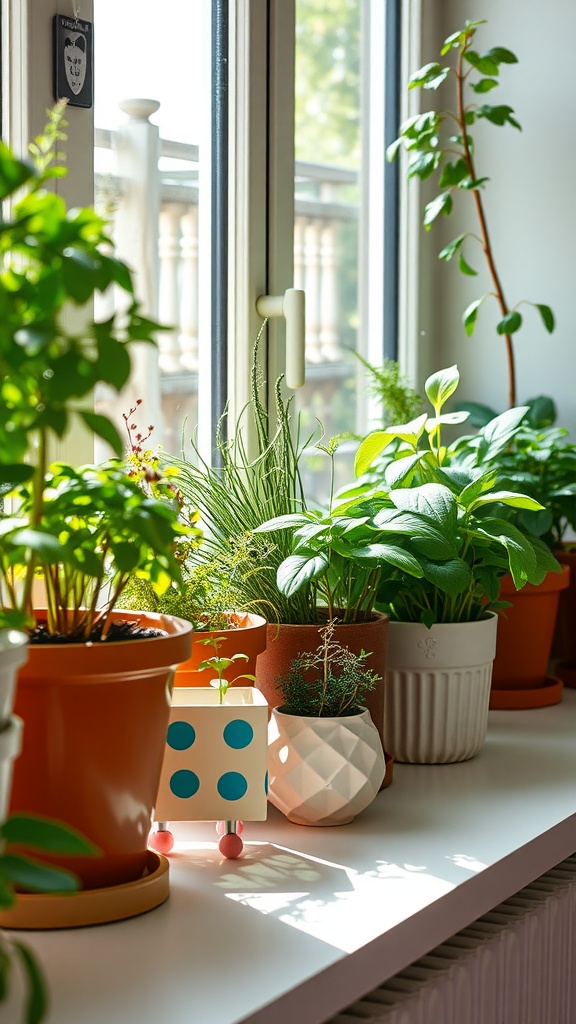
519 550
296 570
547 317
506 498
484 85
441 385
542 411
285 522
452 577
442 204
470 315
465 267
497 434
43 834
102 427
448 252
36 1001
434 501
483 63
453 173
30 874
392 150
502 55
510 323
391 555
499 115
430 76
423 166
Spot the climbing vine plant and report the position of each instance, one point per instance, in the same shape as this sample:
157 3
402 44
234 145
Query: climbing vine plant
440 142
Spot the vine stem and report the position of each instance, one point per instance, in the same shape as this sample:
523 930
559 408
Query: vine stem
486 245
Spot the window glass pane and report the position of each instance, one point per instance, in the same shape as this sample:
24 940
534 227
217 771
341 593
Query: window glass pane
158 208
327 218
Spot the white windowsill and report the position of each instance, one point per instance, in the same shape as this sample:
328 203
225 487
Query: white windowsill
310 919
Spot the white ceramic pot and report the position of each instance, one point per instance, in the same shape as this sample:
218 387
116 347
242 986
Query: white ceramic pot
323 771
10 746
437 690
13 654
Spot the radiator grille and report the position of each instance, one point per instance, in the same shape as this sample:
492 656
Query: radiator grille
514 965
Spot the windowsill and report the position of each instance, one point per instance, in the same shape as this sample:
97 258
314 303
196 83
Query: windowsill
310 919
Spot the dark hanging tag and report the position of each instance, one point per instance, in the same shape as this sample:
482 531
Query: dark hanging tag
73 60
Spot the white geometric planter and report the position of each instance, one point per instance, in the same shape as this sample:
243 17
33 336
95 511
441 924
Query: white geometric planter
215 763
323 771
437 690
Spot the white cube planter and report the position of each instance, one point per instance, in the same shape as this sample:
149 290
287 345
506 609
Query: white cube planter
215 763
323 771
437 690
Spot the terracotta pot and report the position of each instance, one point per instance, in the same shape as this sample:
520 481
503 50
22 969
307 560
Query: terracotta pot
95 719
248 637
438 689
520 676
323 771
564 646
286 642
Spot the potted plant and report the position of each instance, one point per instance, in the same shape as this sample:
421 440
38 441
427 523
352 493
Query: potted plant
102 703
325 757
455 516
538 459
205 595
215 764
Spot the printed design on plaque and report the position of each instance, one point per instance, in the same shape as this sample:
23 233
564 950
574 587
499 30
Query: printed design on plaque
428 646
215 763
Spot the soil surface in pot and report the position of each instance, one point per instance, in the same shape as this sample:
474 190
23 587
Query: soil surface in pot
120 630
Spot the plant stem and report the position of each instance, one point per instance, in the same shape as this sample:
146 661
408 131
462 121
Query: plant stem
486 245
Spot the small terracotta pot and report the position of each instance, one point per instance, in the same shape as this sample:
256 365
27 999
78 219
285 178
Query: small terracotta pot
95 719
247 637
285 642
520 676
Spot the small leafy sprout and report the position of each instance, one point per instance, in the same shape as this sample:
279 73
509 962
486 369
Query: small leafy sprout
219 665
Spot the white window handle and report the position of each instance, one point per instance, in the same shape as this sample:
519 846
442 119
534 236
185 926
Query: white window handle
291 306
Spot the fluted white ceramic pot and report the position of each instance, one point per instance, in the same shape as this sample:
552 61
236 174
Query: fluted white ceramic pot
13 654
437 690
323 771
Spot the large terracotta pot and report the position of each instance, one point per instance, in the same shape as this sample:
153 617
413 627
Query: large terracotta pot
286 642
520 676
438 689
248 636
95 719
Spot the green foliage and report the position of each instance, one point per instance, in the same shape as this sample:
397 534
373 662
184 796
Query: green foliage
456 510
19 834
330 682
76 528
237 497
398 400
218 664
440 143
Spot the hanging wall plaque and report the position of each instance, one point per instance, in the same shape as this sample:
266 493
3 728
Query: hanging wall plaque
73 66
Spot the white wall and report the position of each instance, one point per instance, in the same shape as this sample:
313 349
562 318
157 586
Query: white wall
530 206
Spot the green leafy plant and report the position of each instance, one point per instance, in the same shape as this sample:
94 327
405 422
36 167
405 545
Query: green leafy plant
216 663
454 513
76 528
440 142
20 834
540 461
330 682
240 492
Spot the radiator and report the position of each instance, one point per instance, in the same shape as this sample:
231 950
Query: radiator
515 965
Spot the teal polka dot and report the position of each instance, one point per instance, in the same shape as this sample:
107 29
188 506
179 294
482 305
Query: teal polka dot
181 735
232 786
238 734
184 783
266 784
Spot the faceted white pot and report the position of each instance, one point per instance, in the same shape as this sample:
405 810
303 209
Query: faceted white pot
323 771
13 654
437 690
